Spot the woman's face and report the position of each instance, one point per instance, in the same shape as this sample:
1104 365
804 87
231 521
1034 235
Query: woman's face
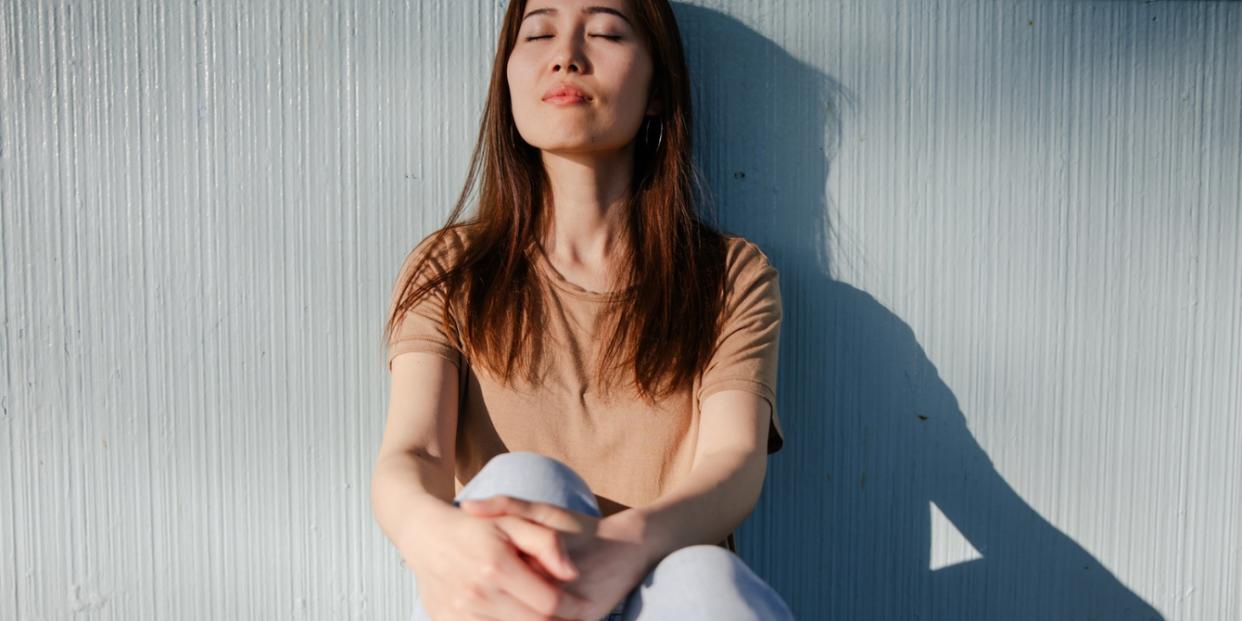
591 46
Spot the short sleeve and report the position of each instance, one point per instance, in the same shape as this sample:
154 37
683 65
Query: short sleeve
746 352
420 328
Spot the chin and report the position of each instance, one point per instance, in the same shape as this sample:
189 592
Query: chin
579 146
568 148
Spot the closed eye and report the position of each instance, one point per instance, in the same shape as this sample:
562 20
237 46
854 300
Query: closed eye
609 37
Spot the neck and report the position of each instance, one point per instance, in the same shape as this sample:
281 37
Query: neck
588 219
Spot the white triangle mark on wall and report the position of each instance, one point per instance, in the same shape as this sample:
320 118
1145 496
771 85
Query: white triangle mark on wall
948 546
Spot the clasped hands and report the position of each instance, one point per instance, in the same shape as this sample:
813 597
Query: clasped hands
607 556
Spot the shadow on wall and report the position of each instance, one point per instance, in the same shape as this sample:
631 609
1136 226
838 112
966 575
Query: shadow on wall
843 530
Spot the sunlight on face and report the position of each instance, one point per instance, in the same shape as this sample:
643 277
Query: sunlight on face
592 45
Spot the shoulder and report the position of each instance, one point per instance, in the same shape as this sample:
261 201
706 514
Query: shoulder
445 242
745 260
442 247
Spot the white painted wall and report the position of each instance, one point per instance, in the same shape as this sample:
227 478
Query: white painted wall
1008 233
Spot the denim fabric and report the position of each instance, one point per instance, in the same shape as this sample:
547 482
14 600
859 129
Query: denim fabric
694 583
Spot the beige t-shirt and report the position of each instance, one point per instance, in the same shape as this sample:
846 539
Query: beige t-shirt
628 451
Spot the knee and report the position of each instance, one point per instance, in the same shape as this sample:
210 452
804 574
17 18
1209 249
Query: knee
533 476
527 464
699 559
704 569
699 566
711 579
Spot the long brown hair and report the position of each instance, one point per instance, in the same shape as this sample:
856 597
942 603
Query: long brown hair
665 323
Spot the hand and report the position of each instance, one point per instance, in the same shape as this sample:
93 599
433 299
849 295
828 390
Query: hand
472 568
608 553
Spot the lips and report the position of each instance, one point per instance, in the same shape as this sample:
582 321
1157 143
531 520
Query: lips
565 91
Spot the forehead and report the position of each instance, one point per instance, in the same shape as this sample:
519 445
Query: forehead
552 8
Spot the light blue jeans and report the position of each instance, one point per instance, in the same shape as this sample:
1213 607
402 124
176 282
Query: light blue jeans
694 583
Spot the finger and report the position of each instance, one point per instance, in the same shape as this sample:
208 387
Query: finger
520 580
490 505
544 513
479 508
537 565
500 503
545 545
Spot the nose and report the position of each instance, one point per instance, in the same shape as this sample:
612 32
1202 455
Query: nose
569 56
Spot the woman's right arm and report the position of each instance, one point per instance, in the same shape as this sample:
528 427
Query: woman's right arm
412 487
464 564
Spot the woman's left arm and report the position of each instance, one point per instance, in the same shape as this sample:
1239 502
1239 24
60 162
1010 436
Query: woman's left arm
725 480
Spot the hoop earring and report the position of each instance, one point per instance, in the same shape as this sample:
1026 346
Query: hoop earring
660 139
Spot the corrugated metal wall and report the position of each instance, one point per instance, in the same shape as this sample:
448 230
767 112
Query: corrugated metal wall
1010 247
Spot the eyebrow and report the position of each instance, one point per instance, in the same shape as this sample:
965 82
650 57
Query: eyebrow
590 10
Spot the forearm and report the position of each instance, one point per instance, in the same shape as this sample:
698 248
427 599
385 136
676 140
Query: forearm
714 499
409 496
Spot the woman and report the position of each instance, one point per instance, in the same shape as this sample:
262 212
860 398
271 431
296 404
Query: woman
583 375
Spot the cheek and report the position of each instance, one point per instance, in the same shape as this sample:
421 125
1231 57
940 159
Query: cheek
520 86
632 72
514 77
520 72
632 92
